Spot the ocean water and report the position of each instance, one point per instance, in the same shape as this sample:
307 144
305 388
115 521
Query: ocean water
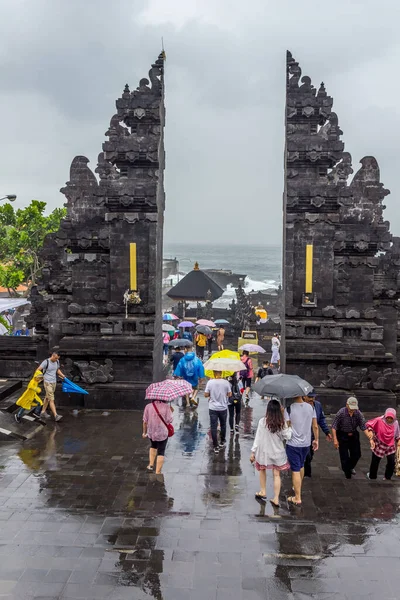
261 264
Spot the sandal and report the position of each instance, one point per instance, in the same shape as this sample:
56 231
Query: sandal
150 469
292 500
260 496
275 504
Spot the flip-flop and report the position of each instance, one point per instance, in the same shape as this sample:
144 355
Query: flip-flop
261 497
291 500
276 505
150 469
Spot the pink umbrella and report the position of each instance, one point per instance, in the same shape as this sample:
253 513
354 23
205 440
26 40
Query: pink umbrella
168 390
205 322
252 348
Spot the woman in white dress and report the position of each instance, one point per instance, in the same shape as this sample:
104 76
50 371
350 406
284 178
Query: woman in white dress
268 451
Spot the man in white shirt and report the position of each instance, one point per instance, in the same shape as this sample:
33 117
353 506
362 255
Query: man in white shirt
51 368
301 417
218 391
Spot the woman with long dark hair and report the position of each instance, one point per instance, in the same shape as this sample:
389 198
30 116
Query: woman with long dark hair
268 451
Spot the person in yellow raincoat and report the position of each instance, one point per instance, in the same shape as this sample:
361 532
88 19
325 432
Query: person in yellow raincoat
30 398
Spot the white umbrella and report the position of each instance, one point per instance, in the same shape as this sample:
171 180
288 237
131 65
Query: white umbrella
168 328
224 364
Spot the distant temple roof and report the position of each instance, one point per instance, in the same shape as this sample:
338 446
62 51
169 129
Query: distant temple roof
196 286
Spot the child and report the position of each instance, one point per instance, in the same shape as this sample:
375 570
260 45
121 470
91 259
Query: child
268 451
30 398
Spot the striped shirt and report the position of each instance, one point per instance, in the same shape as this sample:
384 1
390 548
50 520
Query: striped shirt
346 423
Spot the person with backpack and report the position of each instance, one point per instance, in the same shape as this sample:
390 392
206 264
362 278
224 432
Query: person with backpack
234 404
247 374
190 368
268 451
201 343
50 369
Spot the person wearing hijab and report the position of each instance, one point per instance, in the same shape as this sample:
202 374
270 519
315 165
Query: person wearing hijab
386 435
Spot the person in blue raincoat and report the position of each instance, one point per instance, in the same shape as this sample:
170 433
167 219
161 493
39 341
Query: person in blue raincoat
190 368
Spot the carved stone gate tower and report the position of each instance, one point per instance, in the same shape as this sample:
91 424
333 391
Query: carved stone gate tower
99 299
341 263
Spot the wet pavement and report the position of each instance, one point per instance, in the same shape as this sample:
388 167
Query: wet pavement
80 518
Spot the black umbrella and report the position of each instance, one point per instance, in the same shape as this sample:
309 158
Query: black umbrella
180 343
283 386
204 329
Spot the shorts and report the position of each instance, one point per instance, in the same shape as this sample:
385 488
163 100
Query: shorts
159 446
50 389
246 382
297 456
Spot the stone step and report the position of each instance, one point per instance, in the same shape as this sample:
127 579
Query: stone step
10 430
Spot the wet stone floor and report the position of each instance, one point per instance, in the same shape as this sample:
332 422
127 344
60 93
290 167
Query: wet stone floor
80 518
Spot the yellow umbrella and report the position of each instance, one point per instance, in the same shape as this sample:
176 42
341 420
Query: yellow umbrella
262 313
223 354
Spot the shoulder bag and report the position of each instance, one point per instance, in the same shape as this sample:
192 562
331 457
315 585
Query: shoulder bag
169 426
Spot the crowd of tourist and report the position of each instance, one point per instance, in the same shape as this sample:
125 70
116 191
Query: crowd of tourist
286 438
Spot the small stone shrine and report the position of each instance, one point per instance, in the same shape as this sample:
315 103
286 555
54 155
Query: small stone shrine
99 299
341 263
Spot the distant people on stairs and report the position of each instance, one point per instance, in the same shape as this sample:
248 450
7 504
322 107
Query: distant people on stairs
263 371
190 368
186 335
301 417
50 369
384 441
234 404
201 343
321 420
220 338
218 391
345 434
175 358
268 451
166 340
246 375
275 350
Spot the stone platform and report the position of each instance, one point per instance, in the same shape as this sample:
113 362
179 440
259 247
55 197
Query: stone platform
82 519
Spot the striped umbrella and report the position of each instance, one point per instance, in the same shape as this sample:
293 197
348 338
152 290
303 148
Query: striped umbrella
170 317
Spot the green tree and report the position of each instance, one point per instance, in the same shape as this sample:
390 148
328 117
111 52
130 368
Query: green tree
22 233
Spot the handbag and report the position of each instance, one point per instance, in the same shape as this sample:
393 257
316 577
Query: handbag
169 426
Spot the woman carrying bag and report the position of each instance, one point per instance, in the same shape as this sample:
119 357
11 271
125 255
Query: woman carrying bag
268 451
157 419
384 441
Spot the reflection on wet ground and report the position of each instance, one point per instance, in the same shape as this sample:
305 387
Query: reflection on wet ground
81 518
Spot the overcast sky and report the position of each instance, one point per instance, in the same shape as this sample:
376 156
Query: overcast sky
64 62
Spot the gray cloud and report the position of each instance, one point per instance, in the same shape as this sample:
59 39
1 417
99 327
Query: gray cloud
62 65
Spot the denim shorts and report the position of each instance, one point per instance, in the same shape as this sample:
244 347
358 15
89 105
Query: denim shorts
297 456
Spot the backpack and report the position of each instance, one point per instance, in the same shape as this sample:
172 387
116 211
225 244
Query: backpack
47 366
245 374
201 340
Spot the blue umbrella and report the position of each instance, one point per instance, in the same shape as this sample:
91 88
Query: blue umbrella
72 388
221 322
